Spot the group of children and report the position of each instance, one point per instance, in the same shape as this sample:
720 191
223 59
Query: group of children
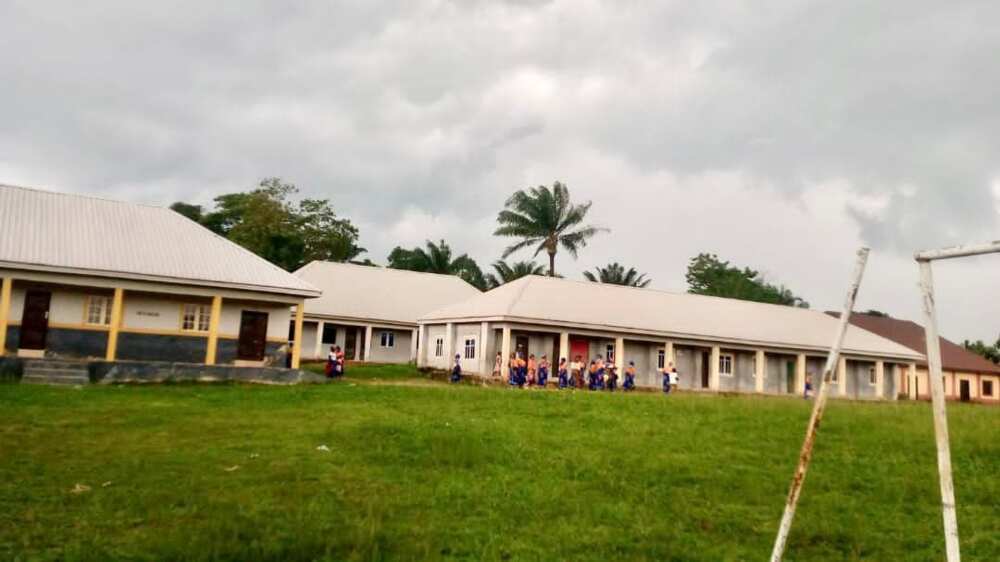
334 362
599 375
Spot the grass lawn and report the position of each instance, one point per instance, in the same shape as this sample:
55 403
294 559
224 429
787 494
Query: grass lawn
428 471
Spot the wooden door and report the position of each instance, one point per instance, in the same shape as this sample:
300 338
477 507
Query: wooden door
706 360
35 320
964 392
253 336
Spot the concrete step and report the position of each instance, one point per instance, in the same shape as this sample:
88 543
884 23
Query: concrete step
54 364
35 375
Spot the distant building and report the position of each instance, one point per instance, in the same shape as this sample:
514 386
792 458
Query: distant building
89 278
371 312
967 376
717 344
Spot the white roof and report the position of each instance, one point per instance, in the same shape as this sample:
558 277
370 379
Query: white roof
47 231
596 306
379 294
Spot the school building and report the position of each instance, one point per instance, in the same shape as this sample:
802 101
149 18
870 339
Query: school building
967 376
85 278
717 344
371 312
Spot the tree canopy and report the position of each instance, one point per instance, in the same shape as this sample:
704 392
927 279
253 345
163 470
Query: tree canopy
616 274
546 219
990 352
708 275
265 221
437 258
505 273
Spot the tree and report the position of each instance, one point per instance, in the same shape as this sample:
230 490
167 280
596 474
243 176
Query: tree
708 275
990 352
437 258
266 222
876 313
505 273
546 219
615 274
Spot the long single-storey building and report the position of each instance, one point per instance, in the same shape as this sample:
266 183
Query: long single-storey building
89 278
717 344
967 376
371 312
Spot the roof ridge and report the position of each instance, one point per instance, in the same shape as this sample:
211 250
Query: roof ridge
47 191
383 268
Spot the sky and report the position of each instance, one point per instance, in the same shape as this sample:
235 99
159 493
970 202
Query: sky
781 135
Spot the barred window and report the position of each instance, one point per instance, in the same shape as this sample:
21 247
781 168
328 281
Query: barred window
98 310
470 348
196 318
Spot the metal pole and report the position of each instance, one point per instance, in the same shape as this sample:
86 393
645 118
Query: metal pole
958 251
940 416
817 414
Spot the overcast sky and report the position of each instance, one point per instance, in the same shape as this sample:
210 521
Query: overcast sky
781 137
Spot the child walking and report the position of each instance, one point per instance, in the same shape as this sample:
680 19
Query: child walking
666 378
456 371
563 373
629 377
543 371
612 377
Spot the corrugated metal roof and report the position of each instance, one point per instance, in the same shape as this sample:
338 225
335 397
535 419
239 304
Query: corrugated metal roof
380 294
87 235
601 306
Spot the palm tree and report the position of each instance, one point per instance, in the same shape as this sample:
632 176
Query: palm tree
437 258
505 273
615 274
545 218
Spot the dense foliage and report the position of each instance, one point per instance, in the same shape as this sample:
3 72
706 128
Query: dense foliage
708 275
437 258
504 272
991 352
616 274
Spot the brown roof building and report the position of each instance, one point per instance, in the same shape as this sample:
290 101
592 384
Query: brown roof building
967 376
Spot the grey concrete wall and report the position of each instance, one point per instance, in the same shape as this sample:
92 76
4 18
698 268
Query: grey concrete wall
275 354
640 353
688 363
151 347
13 337
742 379
399 353
62 342
104 372
11 369
858 379
777 375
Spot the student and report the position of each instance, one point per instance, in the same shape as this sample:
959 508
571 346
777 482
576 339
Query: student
576 370
512 370
543 371
592 376
629 377
809 387
563 373
532 370
331 362
601 370
674 378
522 372
456 371
612 377
666 378
497 365
341 364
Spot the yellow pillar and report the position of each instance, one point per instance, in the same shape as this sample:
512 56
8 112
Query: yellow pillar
800 373
760 369
713 372
842 375
5 291
116 324
300 311
668 354
879 379
213 330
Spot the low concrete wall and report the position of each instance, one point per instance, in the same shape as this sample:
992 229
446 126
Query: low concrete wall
103 372
11 369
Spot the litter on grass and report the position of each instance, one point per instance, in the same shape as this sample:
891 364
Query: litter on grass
80 488
106 484
233 468
323 448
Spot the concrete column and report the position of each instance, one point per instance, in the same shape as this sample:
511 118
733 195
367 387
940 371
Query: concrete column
300 311
449 343
800 373
116 324
620 356
668 354
414 334
879 379
842 376
563 349
422 346
505 351
318 351
359 342
713 368
213 331
483 359
911 381
760 371
368 343
6 287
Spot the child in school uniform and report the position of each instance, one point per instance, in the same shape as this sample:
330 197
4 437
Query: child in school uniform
592 376
809 387
543 371
630 377
612 377
667 378
331 362
456 371
522 372
563 373
674 378
601 371
512 370
532 370
497 365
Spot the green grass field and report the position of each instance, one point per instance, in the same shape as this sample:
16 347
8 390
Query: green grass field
426 471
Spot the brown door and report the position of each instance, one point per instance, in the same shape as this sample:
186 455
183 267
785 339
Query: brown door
253 336
350 342
521 346
706 358
964 391
35 320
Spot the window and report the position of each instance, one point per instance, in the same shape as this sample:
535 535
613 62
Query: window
470 347
726 364
98 311
387 339
661 359
196 317
610 355
329 333
871 376
439 347
988 388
